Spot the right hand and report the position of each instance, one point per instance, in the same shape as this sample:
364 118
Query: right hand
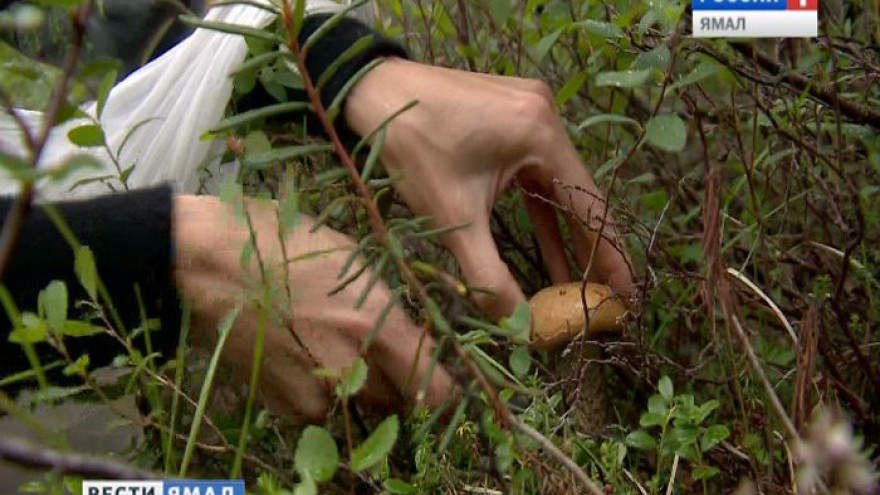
458 149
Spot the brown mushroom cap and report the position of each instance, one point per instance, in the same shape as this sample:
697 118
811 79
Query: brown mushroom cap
558 313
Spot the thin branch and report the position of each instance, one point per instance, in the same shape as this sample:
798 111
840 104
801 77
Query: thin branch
23 453
15 217
854 111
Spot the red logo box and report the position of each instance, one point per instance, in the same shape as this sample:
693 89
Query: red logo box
803 5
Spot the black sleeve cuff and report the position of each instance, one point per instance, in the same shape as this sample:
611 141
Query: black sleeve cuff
319 59
130 235
334 43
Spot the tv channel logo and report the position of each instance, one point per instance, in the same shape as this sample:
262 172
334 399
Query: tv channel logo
755 18
164 487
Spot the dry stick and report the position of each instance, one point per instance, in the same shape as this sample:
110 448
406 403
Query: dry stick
381 231
23 453
852 110
762 377
15 216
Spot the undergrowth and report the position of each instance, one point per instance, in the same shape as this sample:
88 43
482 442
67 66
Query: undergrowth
745 176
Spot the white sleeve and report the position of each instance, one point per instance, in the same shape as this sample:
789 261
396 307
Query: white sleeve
166 106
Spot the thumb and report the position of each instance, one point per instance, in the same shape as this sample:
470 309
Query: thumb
495 290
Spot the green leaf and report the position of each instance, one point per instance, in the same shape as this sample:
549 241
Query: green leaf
330 23
666 132
298 17
256 142
86 136
499 11
713 436
706 409
658 405
656 59
704 69
607 118
81 365
655 201
665 386
225 27
599 28
571 87
86 271
520 361
104 88
641 440
623 79
545 44
19 169
650 419
684 436
355 49
377 446
316 454
77 329
56 393
54 302
396 486
34 330
353 379
264 160
289 212
704 472
518 323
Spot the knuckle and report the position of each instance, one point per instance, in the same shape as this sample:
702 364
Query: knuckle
540 88
536 113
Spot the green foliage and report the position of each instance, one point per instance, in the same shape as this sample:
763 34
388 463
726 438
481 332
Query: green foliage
316 455
674 426
377 446
657 117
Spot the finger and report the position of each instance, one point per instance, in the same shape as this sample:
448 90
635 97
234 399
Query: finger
546 229
399 354
287 385
407 358
574 189
497 293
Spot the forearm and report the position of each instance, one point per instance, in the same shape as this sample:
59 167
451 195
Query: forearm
130 236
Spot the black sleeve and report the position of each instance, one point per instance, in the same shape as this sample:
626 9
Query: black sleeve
322 55
130 236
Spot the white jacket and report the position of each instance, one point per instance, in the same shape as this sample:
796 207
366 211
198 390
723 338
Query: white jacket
176 98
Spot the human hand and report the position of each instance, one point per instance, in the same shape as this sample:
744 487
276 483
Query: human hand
456 151
208 271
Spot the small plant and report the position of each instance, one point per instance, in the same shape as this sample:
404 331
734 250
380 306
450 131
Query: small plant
674 427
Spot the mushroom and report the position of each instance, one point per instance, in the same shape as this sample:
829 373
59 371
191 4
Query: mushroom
558 313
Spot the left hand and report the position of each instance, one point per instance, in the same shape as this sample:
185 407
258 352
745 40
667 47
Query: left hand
460 147
314 329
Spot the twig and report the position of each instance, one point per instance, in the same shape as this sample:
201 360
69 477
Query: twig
23 453
555 453
15 216
762 377
379 228
672 475
852 110
757 290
